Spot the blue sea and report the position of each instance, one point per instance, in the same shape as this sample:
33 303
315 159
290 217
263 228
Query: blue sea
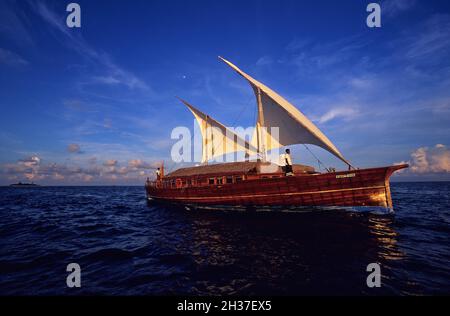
125 246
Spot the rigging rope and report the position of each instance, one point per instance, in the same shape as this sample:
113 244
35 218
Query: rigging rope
318 160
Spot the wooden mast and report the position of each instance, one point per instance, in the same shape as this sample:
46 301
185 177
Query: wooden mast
259 124
205 147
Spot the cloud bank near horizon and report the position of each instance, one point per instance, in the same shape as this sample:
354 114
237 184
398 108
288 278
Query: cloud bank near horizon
88 171
425 160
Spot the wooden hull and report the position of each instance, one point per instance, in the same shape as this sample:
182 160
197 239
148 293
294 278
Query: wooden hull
362 187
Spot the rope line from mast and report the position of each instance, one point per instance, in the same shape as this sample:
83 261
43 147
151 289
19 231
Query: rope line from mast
318 160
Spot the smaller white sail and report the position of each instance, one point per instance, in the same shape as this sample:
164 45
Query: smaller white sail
217 139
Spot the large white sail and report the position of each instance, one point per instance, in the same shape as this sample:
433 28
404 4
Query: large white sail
218 140
294 126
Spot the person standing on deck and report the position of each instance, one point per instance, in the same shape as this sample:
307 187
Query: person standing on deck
287 162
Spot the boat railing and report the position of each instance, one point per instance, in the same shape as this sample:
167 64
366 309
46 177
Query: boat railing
153 184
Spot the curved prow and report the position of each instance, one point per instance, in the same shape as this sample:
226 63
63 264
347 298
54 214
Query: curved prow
389 171
394 168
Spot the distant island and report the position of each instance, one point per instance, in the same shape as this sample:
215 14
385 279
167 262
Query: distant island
20 184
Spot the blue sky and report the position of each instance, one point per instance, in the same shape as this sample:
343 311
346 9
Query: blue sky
96 105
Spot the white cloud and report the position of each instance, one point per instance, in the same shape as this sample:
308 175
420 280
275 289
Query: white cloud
430 160
111 171
73 148
30 161
361 83
264 60
27 168
87 178
110 80
110 163
346 113
140 164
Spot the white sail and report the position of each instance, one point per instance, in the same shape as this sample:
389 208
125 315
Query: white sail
294 126
218 140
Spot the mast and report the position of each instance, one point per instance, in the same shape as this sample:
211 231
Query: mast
259 132
212 141
205 147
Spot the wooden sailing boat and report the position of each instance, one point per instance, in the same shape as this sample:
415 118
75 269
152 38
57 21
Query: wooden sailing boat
262 182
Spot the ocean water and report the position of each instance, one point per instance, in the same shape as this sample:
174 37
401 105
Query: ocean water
126 246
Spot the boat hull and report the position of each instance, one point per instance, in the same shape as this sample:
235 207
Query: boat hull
362 187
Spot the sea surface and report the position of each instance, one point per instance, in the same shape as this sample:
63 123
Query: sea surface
126 246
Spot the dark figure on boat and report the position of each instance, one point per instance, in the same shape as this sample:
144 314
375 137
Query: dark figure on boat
158 174
287 161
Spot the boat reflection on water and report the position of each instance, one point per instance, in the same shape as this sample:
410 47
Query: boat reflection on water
380 228
288 253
